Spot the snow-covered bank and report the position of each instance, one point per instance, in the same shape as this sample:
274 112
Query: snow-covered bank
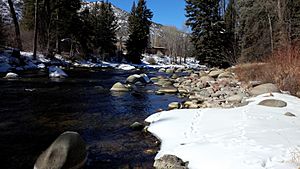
9 63
249 137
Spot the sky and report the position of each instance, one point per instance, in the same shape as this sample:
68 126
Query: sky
166 12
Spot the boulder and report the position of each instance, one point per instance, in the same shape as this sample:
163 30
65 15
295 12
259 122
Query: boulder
215 73
133 78
144 78
68 151
273 103
137 126
168 90
174 105
119 87
11 76
206 79
264 88
225 75
55 72
170 71
170 162
235 98
162 70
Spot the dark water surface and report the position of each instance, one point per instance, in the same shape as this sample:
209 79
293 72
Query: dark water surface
35 110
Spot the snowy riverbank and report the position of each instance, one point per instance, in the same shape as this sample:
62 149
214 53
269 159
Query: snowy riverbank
9 63
249 137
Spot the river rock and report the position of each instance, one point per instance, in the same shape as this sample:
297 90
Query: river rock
273 103
11 76
215 73
133 78
119 87
264 88
55 72
289 114
206 79
68 151
137 126
174 105
162 70
170 71
225 75
168 90
235 98
170 162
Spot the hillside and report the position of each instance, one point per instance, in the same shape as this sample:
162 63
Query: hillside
122 16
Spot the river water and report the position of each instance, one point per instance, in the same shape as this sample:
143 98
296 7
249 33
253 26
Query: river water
35 110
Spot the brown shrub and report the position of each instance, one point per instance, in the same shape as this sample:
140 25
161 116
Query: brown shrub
281 68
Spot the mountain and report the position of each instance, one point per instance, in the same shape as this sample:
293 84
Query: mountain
122 17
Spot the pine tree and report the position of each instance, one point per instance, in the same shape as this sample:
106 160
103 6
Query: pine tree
231 32
106 30
16 24
207 31
139 29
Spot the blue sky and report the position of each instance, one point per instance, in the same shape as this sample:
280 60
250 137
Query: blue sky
166 12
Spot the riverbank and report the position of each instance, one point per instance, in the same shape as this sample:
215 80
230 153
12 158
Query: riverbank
226 124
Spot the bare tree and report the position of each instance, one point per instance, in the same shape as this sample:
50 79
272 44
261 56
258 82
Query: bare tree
35 29
16 23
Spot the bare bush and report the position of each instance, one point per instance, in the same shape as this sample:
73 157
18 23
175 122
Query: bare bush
281 68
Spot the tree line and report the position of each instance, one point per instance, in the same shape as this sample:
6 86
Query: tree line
227 32
90 30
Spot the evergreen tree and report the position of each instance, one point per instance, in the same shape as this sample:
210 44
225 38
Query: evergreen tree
16 24
208 34
231 32
105 30
139 29
56 21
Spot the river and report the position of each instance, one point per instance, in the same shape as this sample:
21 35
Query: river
35 110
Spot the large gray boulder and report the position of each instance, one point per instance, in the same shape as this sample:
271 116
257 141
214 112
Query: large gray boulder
264 88
68 151
170 162
273 103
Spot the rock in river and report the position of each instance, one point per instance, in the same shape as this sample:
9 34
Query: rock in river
168 90
119 87
68 151
11 76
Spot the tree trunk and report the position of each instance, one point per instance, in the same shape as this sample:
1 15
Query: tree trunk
271 33
35 29
16 23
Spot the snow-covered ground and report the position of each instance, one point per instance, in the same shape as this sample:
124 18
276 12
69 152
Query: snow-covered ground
249 137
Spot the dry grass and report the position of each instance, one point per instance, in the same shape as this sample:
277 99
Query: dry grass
282 68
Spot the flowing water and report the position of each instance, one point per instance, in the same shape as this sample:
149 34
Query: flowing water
35 110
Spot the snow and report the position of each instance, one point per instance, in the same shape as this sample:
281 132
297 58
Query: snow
249 137
55 72
125 67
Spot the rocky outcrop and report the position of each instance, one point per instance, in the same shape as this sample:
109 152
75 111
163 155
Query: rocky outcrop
170 162
68 151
